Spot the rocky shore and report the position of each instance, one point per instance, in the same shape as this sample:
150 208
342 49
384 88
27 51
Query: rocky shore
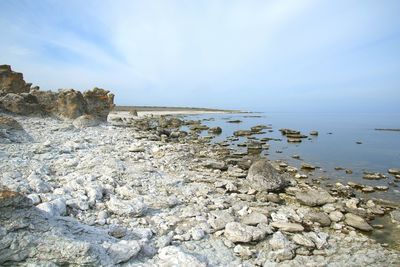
139 191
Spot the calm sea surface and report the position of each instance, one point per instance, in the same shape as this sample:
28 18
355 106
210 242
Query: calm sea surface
335 146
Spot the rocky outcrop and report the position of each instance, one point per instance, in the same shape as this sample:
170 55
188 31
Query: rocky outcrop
18 97
12 82
99 102
23 104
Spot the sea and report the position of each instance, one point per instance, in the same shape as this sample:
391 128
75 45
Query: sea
348 141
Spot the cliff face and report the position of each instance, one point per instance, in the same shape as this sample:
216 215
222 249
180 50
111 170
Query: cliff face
18 97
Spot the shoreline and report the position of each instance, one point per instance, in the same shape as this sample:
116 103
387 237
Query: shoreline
161 197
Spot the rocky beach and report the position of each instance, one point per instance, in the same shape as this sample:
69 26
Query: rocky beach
82 185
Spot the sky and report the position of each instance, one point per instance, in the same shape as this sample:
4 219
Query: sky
278 56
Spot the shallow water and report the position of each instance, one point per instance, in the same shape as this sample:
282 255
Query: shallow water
379 151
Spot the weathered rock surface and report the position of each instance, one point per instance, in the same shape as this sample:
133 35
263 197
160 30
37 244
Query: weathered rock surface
30 236
263 177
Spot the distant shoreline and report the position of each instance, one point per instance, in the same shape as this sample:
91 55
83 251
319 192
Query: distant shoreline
174 110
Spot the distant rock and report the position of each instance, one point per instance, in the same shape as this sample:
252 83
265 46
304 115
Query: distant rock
263 177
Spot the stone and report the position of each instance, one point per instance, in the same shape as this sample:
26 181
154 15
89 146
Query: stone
357 222
219 218
242 252
135 208
263 177
216 165
320 217
241 233
288 227
303 241
254 218
314 197
320 239
315 133
336 216
85 121
71 104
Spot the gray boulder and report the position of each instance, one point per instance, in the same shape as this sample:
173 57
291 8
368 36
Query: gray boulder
263 177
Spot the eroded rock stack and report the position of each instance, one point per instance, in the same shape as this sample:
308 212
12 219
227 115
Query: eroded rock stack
18 97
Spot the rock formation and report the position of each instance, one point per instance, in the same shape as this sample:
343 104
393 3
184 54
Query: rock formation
18 97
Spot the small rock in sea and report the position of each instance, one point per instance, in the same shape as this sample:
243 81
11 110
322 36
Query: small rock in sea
315 133
382 187
301 176
348 171
278 151
358 142
215 130
394 171
307 166
296 156
373 176
368 189
234 121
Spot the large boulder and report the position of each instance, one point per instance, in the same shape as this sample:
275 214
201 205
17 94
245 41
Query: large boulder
263 177
24 104
71 104
99 102
12 82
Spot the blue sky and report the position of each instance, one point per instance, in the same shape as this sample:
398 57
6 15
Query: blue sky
286 55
